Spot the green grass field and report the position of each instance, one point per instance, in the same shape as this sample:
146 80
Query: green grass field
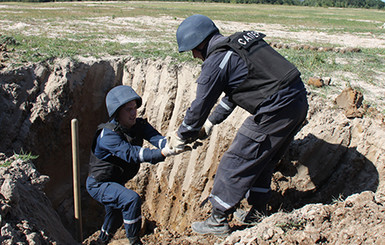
36 32
45 30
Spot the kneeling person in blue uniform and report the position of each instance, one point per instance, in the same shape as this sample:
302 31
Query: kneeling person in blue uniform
116 155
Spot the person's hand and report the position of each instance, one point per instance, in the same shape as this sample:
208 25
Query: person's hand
206 130
176 144
166 151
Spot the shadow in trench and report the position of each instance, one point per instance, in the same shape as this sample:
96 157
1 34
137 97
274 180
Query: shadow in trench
315 171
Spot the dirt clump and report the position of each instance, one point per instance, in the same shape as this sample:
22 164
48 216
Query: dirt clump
351 100
3 55
342 50
316 81
357 220
26 214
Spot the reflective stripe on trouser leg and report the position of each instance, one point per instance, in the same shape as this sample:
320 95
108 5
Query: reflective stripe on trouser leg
112 221
106 193
104 235
257 190
237 171
255 150
117 197
257 195
132 217
132 226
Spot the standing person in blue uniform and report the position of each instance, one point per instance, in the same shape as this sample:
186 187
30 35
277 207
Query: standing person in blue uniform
116 155
254 76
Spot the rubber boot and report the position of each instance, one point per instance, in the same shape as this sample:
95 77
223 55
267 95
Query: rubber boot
99 242
216 224
103 239
135 240
252 217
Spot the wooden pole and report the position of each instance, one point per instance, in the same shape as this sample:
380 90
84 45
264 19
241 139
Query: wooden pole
76 178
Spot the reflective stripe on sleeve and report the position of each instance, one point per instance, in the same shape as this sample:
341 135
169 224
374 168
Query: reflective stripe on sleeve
224 105
225 59
102 133
128 222
141 155
160 143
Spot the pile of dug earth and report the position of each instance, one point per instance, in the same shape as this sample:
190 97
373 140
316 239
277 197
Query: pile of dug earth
329 188
26 214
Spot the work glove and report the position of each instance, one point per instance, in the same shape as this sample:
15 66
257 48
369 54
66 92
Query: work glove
166 151
206 130
176 144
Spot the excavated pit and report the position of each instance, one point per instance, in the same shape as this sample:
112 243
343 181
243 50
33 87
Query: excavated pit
331 157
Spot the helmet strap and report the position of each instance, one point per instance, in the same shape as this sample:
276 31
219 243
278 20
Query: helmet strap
203 50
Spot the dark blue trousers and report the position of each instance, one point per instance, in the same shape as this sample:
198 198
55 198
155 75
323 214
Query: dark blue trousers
246 168
122 205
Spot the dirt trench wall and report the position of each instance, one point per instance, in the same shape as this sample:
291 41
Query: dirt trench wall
27 216
37 105
331 156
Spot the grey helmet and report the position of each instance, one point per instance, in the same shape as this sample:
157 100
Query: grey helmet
119 96
194 30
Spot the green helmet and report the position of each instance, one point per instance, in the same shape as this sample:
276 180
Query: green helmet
194 30
119 96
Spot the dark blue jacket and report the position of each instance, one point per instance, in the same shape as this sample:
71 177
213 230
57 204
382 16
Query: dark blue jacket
117 152
223 72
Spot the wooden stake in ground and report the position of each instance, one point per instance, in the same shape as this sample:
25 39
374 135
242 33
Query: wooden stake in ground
76 178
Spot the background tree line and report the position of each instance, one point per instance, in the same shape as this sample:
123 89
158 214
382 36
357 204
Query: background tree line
376 4
345 3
